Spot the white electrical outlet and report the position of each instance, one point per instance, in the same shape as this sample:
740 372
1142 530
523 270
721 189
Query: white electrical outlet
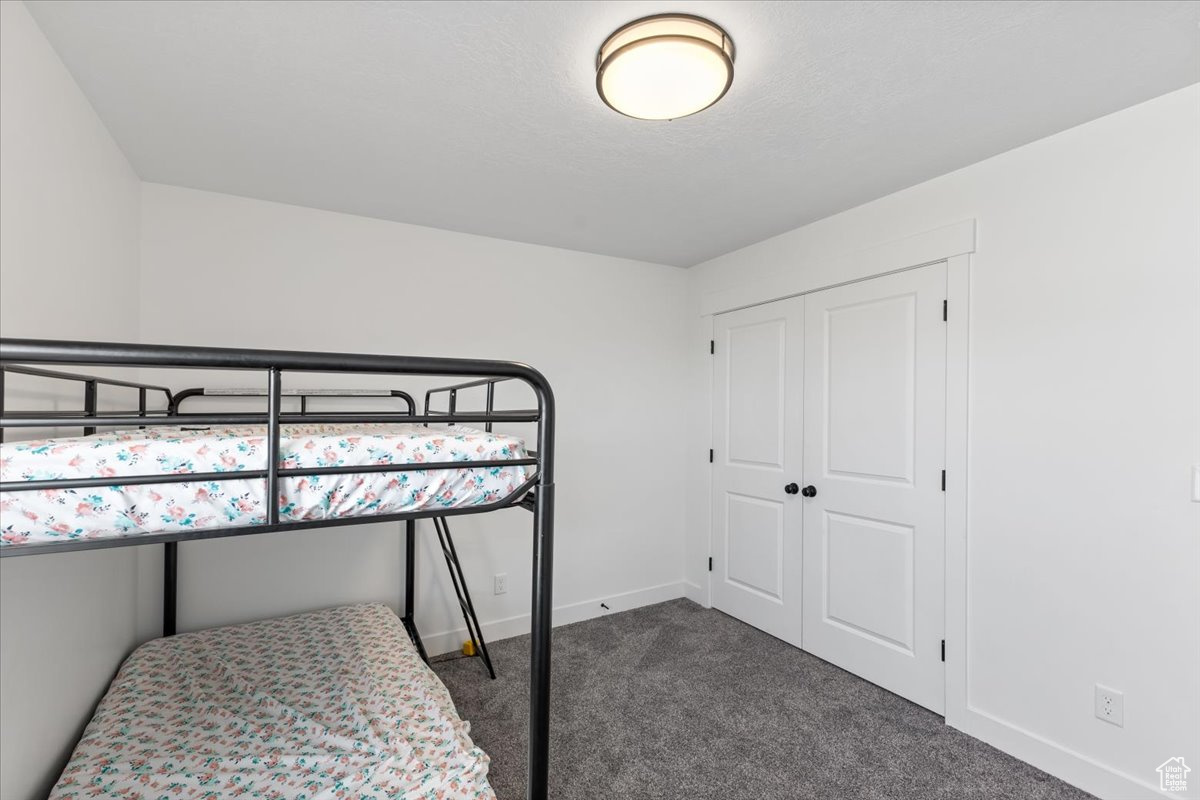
1110 705
501 585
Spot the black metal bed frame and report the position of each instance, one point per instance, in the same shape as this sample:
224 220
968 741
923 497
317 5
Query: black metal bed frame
536 494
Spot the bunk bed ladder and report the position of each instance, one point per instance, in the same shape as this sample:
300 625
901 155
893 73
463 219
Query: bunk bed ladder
464 596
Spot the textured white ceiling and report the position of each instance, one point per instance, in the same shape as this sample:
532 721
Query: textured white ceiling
483 116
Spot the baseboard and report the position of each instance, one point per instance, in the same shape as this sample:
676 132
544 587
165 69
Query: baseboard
451 640
696 593
1061 762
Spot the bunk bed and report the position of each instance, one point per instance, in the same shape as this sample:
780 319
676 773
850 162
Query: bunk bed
163 476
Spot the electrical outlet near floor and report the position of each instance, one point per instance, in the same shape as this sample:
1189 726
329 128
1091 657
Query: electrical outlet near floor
1110 705
501 583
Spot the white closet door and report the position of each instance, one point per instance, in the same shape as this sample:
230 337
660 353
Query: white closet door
875 431
757 419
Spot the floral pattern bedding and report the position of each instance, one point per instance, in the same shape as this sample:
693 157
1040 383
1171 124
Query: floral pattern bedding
333 705
118 510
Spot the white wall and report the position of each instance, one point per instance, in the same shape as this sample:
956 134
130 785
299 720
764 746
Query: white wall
608 333
1083 543
68 269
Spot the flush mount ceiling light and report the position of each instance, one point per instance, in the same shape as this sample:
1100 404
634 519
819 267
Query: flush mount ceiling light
664 67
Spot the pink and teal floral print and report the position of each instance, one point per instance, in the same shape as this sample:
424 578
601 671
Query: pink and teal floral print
332 705
119 510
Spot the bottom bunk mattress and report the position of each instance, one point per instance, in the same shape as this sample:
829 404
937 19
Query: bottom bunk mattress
332 704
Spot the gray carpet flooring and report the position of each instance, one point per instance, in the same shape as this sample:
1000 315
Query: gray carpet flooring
677 702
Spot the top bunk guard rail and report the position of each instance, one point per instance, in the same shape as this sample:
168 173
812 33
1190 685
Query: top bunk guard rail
452 397
71 376
49 419
91 396
536 494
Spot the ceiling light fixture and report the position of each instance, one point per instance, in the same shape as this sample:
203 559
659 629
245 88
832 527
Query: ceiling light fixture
664 67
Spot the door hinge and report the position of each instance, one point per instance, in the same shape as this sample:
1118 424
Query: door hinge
710 455
943 480
943 649
710 563
945 311
712 347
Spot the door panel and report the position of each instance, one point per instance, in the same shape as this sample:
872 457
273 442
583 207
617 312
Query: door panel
757 436
874 549
756 355
869 578
869 358
755 560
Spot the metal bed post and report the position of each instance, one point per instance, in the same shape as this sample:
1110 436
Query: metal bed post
170 582
274 392
410 575
491 397
89 404
542 600
170 599
408 619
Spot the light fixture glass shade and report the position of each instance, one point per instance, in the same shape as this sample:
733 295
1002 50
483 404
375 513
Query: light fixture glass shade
665 67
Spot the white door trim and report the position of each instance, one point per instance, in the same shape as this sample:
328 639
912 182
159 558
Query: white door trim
929 247
958 300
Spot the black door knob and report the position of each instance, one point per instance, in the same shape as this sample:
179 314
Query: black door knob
809 491
792 488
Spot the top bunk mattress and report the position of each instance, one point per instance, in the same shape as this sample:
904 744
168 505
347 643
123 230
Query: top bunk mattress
128 510
330 705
